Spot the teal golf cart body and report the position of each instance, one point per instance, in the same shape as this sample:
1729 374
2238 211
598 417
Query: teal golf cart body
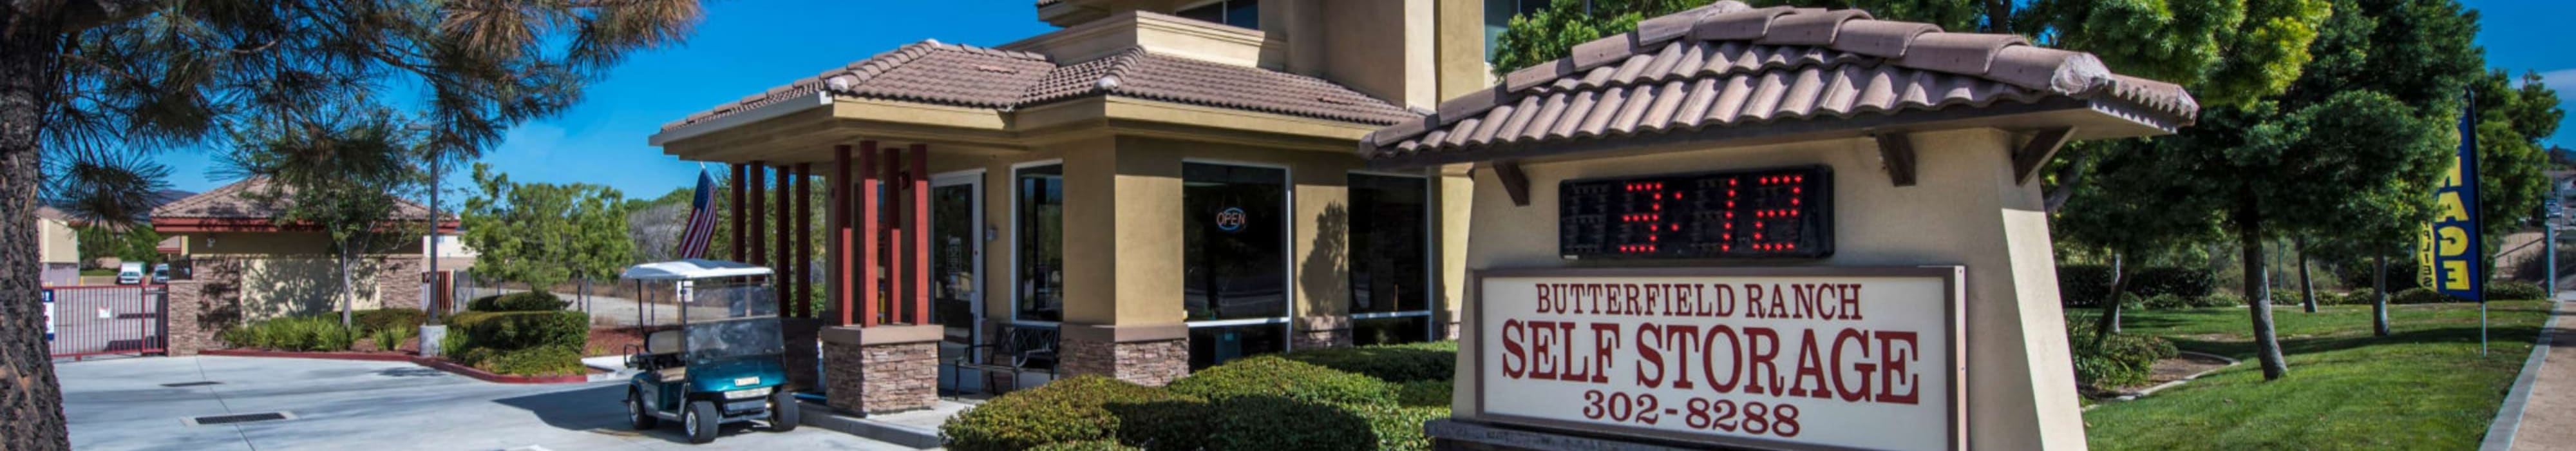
721 364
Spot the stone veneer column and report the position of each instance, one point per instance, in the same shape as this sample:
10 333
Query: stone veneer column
1146 355
1321 332
881 369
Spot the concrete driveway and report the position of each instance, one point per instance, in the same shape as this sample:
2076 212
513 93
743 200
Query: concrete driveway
123 404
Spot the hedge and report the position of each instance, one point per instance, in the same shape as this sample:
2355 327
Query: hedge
1277 423
2123 360
1408 362
522 330
295 333
391 318
1424 393
1281 377
525 301
1070 410
1086 445
2087 285
2358 273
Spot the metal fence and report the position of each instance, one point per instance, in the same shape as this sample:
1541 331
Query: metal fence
84 321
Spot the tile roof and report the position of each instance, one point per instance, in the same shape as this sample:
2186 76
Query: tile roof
235 201
1728 64
932 72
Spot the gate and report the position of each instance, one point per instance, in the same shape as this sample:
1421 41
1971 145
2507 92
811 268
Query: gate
85 321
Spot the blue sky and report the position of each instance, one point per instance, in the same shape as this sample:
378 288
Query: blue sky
747 46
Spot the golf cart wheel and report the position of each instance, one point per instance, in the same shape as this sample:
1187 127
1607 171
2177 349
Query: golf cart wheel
703 420
783 411
635 412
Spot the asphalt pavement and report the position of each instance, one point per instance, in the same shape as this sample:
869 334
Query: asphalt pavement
129 404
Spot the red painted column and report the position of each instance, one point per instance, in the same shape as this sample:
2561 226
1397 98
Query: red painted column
778 235
837 231
867 283
919 231
739 171
756 209
804 240
896 244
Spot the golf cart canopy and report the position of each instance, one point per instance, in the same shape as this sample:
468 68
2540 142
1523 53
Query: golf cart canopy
693 268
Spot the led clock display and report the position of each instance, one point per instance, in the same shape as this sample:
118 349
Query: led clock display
1780 212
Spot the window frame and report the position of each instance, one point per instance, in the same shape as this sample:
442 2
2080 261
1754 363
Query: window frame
1430 256
1287 253
1017 240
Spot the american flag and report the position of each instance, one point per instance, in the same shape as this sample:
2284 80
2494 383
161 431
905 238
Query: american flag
702 219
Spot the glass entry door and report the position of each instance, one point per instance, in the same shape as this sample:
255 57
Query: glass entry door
1235 229
956 271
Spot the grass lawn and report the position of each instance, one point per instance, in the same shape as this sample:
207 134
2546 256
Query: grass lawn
2425 387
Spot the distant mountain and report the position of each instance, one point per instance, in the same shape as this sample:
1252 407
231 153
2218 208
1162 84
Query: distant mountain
2562 157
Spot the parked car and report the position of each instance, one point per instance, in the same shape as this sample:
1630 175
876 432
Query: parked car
161 273
129 273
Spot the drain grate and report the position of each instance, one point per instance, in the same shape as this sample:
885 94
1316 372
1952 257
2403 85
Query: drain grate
240 418
190 384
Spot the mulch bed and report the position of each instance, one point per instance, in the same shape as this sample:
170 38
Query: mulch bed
2177 368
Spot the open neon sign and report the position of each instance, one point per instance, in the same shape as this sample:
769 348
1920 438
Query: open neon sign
1779 212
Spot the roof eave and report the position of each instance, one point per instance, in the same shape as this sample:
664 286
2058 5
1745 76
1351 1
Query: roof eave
2093 119
720 123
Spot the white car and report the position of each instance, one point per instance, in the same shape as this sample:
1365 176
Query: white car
129 274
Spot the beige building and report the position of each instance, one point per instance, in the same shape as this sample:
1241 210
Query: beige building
250 268
57 248
1157 186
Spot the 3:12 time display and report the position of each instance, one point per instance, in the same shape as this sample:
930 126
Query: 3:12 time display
1778 212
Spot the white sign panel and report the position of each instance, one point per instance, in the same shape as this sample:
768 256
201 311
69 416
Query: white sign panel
49 315
1813 358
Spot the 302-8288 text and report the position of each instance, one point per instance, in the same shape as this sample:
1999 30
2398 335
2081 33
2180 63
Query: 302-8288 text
1751 417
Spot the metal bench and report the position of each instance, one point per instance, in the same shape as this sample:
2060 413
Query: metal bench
1022 349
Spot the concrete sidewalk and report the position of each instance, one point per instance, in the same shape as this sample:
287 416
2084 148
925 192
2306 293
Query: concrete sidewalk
2548 420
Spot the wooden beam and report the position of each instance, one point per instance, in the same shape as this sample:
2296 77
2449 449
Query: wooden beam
804 261
755 209
739 227
836 230
780 256
1514 182
919 232
2043 145
1896 152
867 231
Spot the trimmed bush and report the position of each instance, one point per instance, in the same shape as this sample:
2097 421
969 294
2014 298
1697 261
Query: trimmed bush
1399 428
1408 362
2123 360
522 330
299 333
2287 296
1424 393
525 301
537 361
1275 376
2515 290
392 338
1277 423
1069 410
2420 295
1086 445
391 318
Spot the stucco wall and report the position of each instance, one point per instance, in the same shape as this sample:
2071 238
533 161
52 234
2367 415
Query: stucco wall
1967 210
55 242
291 273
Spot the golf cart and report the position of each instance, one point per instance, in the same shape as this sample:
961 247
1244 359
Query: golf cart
722 364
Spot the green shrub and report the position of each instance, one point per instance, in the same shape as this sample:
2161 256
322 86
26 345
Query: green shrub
2287 296
525 301
1069 410
2514 290
1275 376
2123 360
537 361
2086 285
452 345
2167 301
1086 445
2220 300
298 333
2358 273
1424 393
1277 423
522 330
2420 295
1399 428
391 338
391 318
1408 362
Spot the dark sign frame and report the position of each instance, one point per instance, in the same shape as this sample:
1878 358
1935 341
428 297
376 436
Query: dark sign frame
1765 213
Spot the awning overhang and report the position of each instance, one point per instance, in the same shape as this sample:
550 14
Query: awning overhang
800 130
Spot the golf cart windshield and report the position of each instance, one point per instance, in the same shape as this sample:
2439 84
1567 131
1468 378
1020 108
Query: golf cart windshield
732 319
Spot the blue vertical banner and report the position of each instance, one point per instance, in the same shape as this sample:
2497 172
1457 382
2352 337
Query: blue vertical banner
2457 246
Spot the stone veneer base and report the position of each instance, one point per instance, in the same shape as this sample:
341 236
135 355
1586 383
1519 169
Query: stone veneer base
882 369
1144 362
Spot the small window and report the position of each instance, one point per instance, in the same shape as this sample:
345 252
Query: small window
1239 13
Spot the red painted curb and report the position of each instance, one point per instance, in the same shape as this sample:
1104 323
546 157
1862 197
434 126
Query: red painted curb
432 362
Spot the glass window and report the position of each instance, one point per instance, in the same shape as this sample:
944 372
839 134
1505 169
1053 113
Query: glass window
1040 276
1390 244
1235 259
1240 13
1211 345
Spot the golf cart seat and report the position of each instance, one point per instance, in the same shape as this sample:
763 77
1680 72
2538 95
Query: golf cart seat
662 355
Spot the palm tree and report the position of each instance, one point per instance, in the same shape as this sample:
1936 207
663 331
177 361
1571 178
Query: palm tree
89 84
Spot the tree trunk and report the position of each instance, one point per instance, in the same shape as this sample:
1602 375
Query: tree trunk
2307 288
348 290
2267 346
2110 321
2379 291
31 401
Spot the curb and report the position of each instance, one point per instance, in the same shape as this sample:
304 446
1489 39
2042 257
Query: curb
431 362
823 416
2169 384
2508 419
